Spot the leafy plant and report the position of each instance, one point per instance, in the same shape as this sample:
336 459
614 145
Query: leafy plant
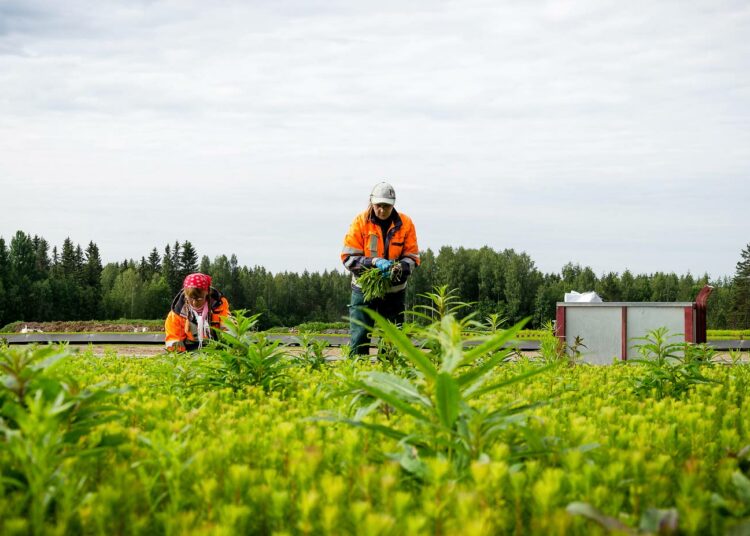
701 353
669 368
735 356
494 322
553 350
242 357
441 303
46 420
312 351
23 370
374 283
388 353
439 409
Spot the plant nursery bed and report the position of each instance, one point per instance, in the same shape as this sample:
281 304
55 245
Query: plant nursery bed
165 452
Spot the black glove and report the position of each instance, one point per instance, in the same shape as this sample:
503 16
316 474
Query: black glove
401 271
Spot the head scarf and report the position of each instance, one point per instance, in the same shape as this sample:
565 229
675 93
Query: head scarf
201 281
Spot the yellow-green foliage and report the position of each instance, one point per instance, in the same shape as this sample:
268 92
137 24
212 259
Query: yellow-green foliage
202 461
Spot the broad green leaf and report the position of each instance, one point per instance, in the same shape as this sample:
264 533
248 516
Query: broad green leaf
395 402
396 385
447 399
402 342
451 343
410 462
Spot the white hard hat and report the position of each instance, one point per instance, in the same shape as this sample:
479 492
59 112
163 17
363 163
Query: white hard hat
383 193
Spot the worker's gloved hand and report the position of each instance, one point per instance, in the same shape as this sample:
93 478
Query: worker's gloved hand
384 265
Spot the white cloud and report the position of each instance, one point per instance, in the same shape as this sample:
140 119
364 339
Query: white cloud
607 133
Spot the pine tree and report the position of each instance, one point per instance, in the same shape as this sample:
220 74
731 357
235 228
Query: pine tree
55 262
93 266
188 260
169 271
740 315
4 260
91 275
205 266
143 270
79 274
235 286
22 255
154 262
42 264
68 258
4 277
176 282
176 252
608 287
19 292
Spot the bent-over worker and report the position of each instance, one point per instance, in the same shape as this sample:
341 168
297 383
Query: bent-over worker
196 311
386 239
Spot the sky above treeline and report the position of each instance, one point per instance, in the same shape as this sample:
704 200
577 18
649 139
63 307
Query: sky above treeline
611 134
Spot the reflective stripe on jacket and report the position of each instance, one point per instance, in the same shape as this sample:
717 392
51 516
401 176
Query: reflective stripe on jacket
181 326
365 240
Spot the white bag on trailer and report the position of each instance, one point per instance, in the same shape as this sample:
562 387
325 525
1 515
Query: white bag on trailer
585 297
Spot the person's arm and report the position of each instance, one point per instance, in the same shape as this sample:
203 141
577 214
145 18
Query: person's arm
409 258
174 329
353 252
220 312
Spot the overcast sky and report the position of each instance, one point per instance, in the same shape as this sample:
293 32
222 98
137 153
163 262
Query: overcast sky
611 134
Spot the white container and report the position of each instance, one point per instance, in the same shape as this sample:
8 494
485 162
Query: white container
607 329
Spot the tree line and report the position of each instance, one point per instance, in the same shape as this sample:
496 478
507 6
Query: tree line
39 283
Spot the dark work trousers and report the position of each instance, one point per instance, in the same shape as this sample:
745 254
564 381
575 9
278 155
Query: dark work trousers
391 307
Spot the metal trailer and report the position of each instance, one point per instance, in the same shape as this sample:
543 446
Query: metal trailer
607 329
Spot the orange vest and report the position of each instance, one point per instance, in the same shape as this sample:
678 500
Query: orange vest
365 240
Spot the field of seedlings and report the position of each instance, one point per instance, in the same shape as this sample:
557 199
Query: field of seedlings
247 437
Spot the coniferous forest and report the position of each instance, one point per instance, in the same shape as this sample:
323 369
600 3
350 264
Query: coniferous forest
40 282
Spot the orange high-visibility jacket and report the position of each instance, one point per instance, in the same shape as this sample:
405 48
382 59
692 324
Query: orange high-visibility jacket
180 325
365 241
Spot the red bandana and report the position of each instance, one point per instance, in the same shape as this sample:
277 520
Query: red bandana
201 281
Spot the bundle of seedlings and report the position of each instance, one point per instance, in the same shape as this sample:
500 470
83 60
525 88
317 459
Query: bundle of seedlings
375 284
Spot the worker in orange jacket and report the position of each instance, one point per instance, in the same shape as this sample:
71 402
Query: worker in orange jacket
386 239
196 311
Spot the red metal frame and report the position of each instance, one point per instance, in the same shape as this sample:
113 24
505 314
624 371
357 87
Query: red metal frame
560 325
624 334
689 332
701 301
